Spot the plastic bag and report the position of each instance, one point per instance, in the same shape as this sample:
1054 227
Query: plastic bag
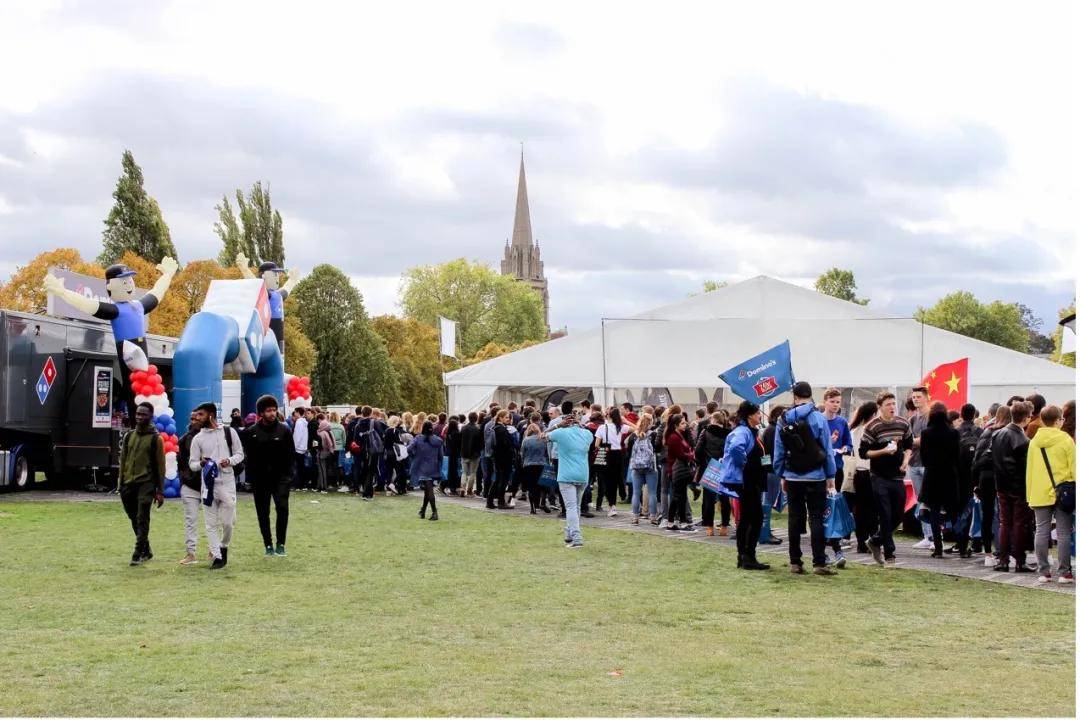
839 522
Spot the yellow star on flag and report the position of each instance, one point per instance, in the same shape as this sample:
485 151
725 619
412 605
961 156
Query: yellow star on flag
953 383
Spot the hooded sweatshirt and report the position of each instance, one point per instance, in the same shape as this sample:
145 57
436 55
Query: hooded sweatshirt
326 437
210 444
1061 452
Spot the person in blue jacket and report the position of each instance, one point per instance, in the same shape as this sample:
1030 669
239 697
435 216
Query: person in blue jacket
806 476
426 451
742 466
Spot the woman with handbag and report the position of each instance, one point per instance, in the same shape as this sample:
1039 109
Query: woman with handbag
710 446
680 462
742 466
609 442
1051 492
534 458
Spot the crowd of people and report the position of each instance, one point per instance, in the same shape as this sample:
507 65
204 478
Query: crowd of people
1000 482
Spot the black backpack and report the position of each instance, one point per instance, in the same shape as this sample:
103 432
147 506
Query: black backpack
238 468
802 452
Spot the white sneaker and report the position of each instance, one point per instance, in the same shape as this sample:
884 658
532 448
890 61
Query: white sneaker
343 489
1044 579
923 544
512 501
612 513
990 561
391 488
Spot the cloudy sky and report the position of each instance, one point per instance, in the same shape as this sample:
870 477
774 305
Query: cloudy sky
929 148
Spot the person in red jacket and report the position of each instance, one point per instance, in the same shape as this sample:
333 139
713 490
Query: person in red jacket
680 460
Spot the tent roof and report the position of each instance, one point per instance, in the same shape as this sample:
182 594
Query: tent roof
690 342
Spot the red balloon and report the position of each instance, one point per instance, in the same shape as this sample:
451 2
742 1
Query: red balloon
151 369
138 376
159 389
139 388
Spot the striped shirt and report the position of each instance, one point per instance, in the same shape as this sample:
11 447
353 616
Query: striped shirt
879 433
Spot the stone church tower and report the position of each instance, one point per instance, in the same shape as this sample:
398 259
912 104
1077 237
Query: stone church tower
521 258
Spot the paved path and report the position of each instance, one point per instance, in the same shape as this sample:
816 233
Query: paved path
906 557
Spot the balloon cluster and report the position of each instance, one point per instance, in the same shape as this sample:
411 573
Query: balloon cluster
299 391
149 387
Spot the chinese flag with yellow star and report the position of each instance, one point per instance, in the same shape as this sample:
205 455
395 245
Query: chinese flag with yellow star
948 384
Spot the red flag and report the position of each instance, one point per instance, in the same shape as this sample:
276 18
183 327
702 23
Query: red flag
948 384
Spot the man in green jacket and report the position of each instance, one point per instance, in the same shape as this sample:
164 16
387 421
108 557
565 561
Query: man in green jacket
142 478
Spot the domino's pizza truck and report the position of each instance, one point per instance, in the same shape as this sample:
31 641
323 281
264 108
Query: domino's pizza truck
62 405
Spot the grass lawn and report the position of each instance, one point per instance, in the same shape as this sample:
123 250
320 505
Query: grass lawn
378 613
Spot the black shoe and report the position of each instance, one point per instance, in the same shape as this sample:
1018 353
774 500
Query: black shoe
937 554
217 564
954 550
434 516
545 509
562 515
147 555
490 506
739 563
862 549
421 514
224 555
753 564
773 540
875 548
965 554
136 558
587 514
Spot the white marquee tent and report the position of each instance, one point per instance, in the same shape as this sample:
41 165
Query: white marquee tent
683 347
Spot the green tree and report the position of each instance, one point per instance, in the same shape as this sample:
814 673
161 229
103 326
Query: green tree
258 231
352 364
709 286
414 352
839 284
1038 344
134 223
1059 335
487 306
996 322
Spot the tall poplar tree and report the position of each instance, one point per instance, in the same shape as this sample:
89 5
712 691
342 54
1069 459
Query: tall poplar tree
135 222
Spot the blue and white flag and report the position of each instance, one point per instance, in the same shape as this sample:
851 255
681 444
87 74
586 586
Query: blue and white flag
762 376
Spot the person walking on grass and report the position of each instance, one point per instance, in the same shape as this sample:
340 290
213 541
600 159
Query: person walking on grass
803 458
268 449
215 451
190 490
741 466
426 451
886 443
1051 461
142 478
571 442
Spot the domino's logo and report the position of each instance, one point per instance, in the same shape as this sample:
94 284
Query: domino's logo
45 380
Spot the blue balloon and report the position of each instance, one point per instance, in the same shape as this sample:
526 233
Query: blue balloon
171 492
171 429
163 419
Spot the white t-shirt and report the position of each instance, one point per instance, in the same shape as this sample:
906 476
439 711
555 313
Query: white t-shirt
613 436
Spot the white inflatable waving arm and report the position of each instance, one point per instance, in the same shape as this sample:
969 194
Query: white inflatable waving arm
167 267
244 264
55 286
294 277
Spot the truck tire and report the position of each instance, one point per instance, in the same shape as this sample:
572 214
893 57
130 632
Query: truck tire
23 477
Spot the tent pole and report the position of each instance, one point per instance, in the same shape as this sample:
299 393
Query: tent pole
603 359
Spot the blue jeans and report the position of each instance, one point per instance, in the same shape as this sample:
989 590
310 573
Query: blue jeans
772 491
571 495
649 479
916 475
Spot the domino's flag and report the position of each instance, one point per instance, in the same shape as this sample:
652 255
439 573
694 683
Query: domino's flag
762 376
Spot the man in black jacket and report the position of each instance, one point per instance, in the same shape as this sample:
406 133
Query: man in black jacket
1009 450
190 491
269 456
472 444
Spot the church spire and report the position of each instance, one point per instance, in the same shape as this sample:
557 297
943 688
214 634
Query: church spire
523 236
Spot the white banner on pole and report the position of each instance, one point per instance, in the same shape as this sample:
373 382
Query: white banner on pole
448 337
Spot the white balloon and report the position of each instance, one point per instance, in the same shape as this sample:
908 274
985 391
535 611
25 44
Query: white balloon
133 356
140 399
167 411
170 465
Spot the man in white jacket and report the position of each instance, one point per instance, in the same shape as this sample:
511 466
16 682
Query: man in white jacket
212 445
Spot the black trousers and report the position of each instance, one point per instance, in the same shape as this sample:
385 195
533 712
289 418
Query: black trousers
988 505
613 476
890 494
497 485
429 496
365 465
708 508
806 502
137 499
751 518
680 481
264 491
864 506
530 481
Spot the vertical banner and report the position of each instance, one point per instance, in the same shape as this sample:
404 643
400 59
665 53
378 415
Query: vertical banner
448 337
103 388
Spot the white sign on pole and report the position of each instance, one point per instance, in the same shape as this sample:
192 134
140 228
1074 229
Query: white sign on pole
448 337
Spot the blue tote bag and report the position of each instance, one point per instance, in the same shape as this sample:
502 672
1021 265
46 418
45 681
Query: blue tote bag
839 521
549 478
